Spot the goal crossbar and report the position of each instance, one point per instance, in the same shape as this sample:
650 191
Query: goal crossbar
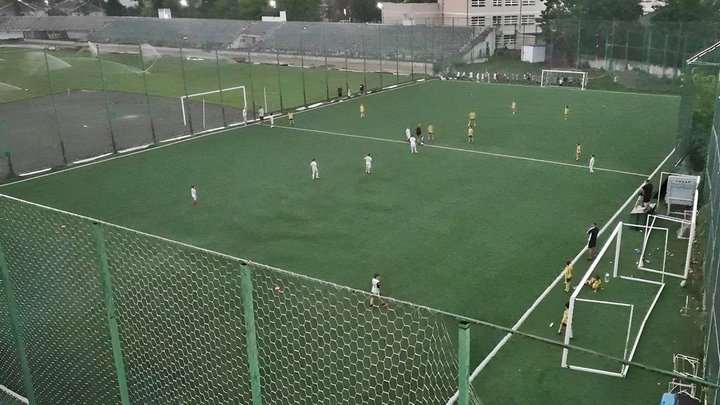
205 93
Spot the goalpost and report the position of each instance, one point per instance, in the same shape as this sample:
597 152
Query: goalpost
622 264
237 91
564 78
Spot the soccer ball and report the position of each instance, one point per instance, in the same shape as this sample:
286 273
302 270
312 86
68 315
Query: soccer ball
278 289
422 143
683 283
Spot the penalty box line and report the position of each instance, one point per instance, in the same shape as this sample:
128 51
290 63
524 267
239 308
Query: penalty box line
480 152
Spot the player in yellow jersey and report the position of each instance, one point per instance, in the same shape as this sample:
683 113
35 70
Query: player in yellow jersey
471 116
595 283
513 107
565 317
567 273
566 111
291 118
578 152
362 110
471 133
431 132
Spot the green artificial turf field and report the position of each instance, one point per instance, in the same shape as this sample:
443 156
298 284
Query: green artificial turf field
478 230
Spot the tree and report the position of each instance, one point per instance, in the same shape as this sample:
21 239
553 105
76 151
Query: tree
114 8
251 9
301 10
621 10
687 10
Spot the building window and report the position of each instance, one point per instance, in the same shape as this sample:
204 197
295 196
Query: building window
528 2
477 3
511 20
509 40
497 20
477 20
528 19
497 3
511 2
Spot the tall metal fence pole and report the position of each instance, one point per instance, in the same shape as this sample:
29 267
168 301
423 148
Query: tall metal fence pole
464 363
380 56
147 95
277 71
185 87
220 87
327 79
252 86
111 313
107 103
250 333
54 107
16 329
302 63
577 50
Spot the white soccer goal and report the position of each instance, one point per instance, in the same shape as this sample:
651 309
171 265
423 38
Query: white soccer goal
624 265
219 95
564 78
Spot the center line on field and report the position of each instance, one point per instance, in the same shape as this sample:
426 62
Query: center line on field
480 152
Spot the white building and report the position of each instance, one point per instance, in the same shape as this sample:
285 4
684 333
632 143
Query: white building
515 20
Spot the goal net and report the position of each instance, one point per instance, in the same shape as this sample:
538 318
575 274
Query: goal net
564 78
609 317
214 109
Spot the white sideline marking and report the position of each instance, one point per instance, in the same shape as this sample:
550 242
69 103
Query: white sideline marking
465 150
81 161
14 394
47 169
552 285
134 148
315 105
165 143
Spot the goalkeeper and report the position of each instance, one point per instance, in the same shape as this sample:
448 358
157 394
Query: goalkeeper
595 283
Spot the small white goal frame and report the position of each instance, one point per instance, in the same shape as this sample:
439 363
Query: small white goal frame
623 367
183 104
546 72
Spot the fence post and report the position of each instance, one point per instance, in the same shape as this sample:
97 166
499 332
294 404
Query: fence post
220 87
147 95
250 336
107 104
577 51
252 87
464 363
187 104
277 71
54 107
101 257
15 327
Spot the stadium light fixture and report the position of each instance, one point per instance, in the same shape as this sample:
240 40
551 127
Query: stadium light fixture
183 3
379 5
272 3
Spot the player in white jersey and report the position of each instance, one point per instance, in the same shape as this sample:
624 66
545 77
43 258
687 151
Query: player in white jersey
407 134
193 195
413 144
368 163
375 291
591 165
244 113
314 169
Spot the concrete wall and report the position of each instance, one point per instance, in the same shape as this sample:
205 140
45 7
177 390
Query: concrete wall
410 13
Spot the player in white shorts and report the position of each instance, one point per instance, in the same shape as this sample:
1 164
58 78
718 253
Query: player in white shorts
314 170
375 291
413 144
193 195
407 134
368 163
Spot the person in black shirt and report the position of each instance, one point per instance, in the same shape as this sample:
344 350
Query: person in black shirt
592 240
646 193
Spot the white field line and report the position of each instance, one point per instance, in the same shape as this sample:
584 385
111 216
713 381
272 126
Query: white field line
169 142
550 287
565 88
480 152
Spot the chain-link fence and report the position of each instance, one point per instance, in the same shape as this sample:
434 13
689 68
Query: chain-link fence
711 263
97 314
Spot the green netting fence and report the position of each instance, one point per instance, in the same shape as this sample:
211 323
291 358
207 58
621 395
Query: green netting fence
93 313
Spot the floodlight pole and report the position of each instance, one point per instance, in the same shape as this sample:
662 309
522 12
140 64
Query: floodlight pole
277 55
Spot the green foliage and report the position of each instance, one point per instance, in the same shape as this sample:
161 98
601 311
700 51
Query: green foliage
687 10
301 10
114 8
620 10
